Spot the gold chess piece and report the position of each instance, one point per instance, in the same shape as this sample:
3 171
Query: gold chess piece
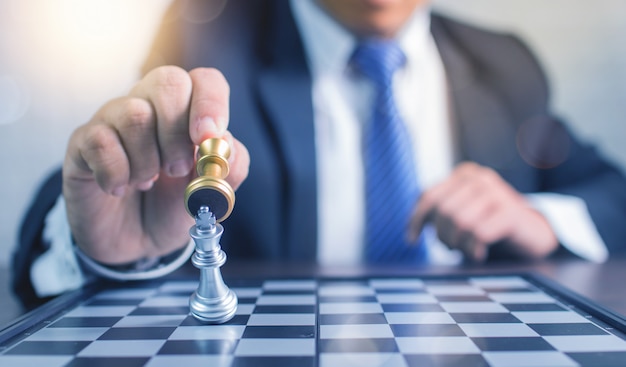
209 188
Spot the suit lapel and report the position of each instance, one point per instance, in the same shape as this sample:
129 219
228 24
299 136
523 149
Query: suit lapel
284 91
484 125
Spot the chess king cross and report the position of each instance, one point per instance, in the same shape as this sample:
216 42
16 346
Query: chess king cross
210 200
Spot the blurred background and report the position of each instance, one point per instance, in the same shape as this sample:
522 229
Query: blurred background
62 59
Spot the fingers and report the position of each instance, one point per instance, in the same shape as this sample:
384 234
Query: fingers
431 199
239 161
109 151
471 210
131 140
168 90
209 105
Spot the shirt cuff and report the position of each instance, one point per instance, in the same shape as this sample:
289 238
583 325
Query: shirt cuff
64 267
569 218
57 270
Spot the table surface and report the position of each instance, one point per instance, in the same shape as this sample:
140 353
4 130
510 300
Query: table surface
601 283
9 306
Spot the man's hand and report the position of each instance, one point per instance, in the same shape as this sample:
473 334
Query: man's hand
125 171
475 208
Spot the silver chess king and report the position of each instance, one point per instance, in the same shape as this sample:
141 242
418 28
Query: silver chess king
210 200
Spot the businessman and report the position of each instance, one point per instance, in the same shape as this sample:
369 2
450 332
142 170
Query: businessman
297 89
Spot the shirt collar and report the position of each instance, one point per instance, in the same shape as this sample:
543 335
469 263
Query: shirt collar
329 45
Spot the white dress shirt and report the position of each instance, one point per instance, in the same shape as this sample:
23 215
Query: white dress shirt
341 103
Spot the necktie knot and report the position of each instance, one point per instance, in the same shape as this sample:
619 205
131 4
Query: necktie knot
378 59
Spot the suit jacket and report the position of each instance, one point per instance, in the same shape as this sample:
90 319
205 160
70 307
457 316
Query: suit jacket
500 107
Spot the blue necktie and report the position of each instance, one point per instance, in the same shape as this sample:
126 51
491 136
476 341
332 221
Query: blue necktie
391 180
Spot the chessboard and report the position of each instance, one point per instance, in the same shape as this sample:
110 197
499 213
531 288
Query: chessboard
500 320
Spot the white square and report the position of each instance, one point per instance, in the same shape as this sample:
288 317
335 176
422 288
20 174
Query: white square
268 300
497 330
100 311
361 359
521 297
290 285
355 331
151 320
245 309
166 301
437 345
138 293
206 332
587 343
221 360
273 319
394 283
34 361
68 334
528 359
275 347
349 308
179 286
549 317
419 318
250 292
473 307
406 298
454 290
122 348
345 290
500 282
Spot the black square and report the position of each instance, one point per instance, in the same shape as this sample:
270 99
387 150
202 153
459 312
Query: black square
567 329
344 319
285 309
604 359
86 322
137 333
246 300
214 346
115 302
445 360
288 292
426 330
380 345
407 290
471 318
412 307
236 320
331 299
273 361
463 298
279 332
48 348
500 289
108 362
512 344
533 307
142 311
447 282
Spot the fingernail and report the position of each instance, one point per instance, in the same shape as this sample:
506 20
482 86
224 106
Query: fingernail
208 126
179 168
119 191
146 185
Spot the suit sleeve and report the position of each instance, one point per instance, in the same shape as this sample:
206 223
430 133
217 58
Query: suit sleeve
568 165
30 241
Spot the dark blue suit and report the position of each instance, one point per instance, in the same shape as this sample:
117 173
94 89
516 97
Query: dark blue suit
500 101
